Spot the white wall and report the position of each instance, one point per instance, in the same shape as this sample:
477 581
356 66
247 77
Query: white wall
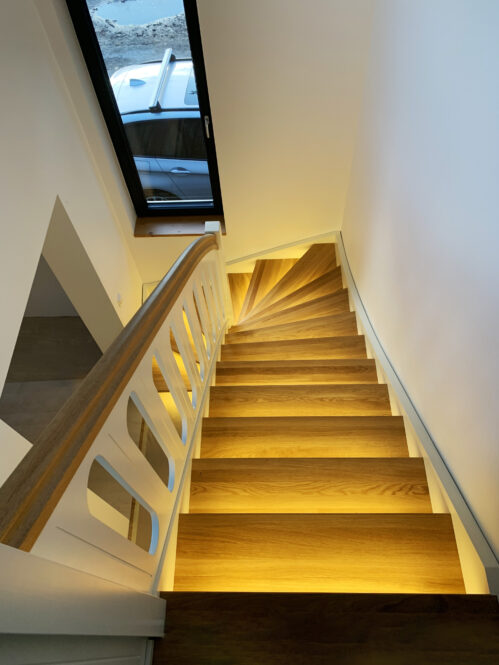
46 155
285 80
421 225
47 297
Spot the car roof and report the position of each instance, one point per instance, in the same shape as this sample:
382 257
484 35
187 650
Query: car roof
134 86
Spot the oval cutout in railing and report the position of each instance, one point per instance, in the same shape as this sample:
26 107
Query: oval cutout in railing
204 321
145 440
112 504
211 315
201 328
168 398
182 367
192 342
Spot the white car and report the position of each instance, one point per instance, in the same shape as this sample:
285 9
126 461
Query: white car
159 108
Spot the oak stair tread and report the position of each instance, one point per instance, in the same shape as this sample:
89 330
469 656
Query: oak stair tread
324 285
309 486
238 284
348 346
320 629
333 325
298 372
311 400
334 303
304 436
335 553
266 274
318 260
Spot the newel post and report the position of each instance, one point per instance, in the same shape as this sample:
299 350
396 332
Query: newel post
216 229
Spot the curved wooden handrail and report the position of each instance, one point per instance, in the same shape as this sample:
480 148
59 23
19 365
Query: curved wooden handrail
32 491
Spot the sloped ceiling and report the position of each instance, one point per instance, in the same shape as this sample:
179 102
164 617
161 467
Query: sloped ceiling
285 79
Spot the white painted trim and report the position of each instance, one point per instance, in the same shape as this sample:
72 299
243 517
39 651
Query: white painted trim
41 597
321 237
458 501
167 555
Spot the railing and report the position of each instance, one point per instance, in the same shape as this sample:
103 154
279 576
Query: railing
101 489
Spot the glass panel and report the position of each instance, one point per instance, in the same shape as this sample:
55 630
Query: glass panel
110 503
146 50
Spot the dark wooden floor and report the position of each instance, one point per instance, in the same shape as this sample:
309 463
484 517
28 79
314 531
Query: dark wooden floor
350 629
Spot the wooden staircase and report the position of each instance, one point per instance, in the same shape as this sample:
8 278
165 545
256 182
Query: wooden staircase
305 500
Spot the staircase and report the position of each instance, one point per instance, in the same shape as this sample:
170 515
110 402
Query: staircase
310 535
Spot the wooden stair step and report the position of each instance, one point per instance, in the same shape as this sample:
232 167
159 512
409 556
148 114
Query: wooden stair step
322 628
266 273
348 346
326 284
318 260
335 303
305 436
309 486
280 372
238 283
330 553
311 400
324 326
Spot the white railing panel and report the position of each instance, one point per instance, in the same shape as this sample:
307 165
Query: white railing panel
75 537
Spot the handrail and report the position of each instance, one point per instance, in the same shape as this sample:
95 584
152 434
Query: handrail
33 490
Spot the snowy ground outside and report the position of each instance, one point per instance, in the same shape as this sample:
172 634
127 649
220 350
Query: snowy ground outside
123 45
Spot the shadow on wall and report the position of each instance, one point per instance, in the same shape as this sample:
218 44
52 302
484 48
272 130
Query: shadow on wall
68 322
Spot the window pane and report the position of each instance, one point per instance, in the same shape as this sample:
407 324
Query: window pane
146 50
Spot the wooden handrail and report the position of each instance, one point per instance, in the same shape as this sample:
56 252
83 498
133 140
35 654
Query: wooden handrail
32 491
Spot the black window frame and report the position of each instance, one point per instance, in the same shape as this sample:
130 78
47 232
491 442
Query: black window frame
173 212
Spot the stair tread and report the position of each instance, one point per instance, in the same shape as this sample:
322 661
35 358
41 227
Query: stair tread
304 436
238 283
375 553
334 303
320 628
311 400
266 274
348 346
309 485
296 371
318 260
329 283
324 326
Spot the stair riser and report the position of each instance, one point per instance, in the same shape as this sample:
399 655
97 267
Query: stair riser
315 629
